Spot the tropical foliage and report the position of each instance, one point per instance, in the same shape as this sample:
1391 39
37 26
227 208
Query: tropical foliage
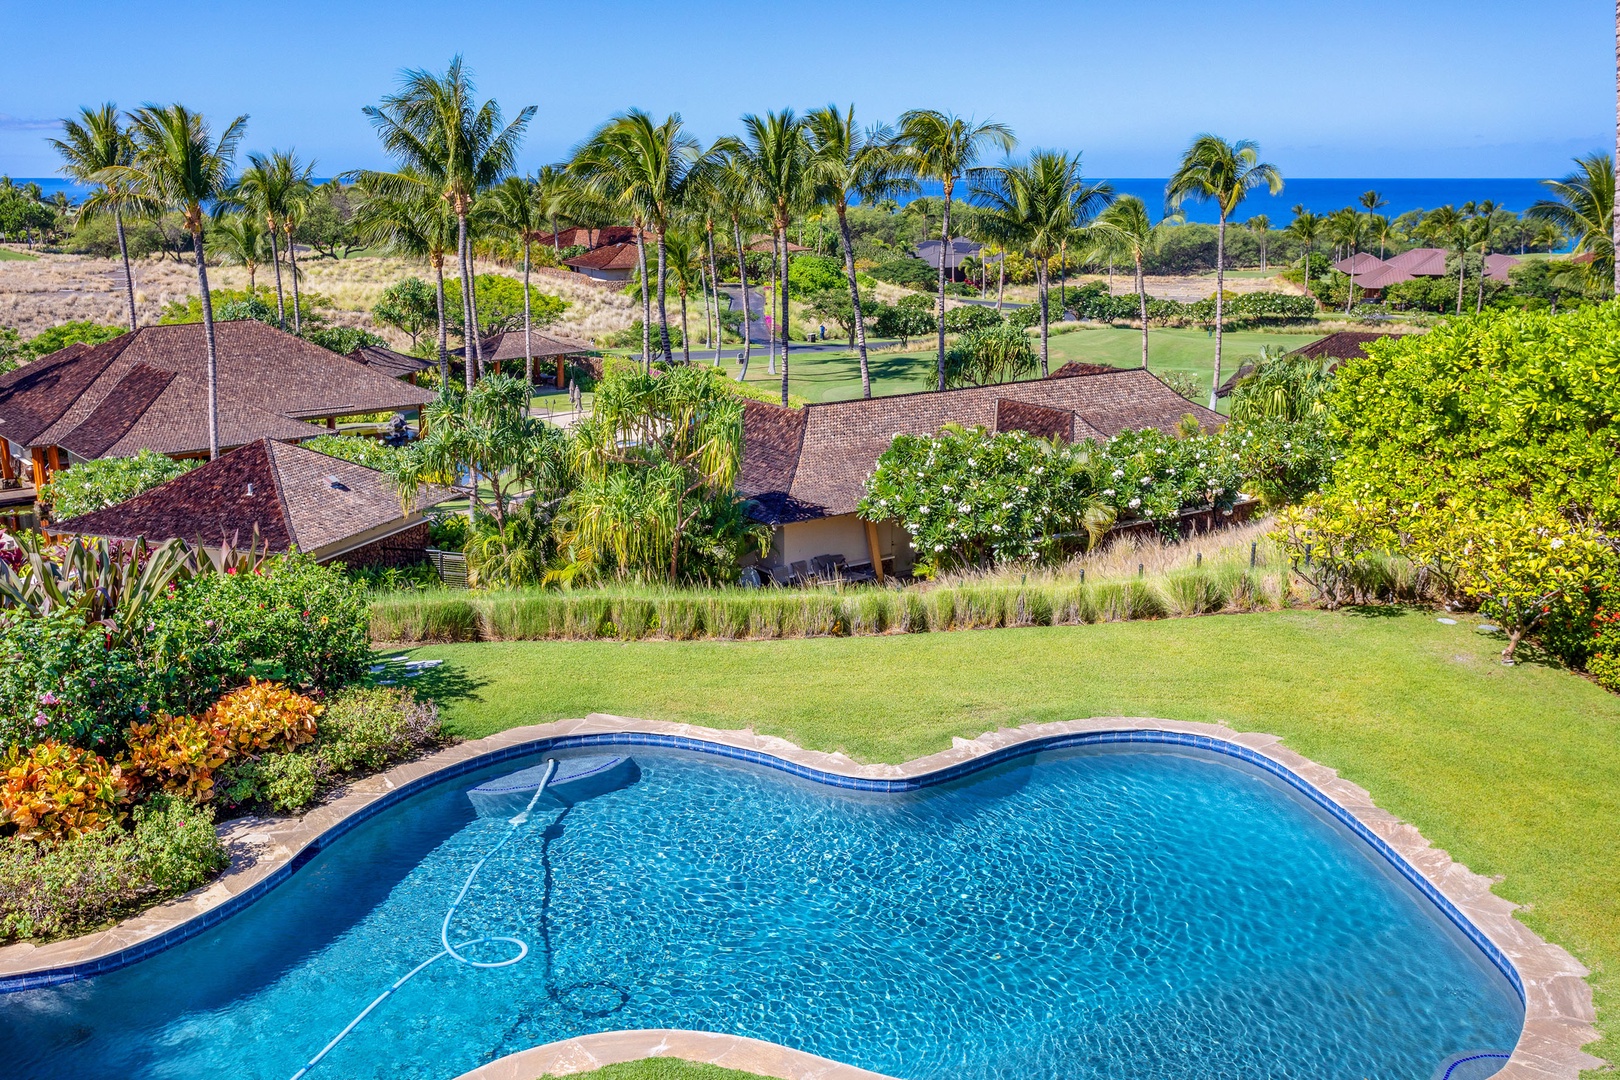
103 482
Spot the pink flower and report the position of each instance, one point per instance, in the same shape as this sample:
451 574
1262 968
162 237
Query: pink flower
41 720
48 698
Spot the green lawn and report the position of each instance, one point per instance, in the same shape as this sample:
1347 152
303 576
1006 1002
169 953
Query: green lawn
7 255
661 1069
837 376
1513 770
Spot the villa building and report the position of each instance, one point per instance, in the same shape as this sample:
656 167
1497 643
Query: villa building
148 390
1373 274
806 469
396 365
506 350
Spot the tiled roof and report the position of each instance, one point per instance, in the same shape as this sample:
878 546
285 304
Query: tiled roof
590 238
1076 368
1359 263
1054 424
106 401
396 365
1497 266
508 345
800 464
1420 262
1344 345
928 252
607 257
289 495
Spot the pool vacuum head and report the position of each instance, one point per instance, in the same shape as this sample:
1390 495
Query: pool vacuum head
577 779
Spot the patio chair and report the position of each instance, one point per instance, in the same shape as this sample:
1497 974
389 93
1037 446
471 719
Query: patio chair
802 572
781 575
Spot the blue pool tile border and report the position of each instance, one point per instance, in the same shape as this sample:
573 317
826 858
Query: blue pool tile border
1155 736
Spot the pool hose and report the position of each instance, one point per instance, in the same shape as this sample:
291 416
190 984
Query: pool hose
447 949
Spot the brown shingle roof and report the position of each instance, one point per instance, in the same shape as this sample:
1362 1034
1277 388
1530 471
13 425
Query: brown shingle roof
1344 345
289 495
800 464
396 365
508 345
590 238
269 381
1075 368
1055 424
607 257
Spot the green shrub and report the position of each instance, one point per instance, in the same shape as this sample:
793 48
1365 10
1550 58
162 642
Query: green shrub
90 880
96 485
809 274
372 727
961 319
372 453
342 340
62 679
909 272
71 333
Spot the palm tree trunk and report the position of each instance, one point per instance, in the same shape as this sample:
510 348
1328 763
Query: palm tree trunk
1041 272
1001 282
747 317
1141 299
1220 299
1462 268
771 329
469 366
528 339
663 314
444 351
281 301
129 277
714 281
646 301
708 323
208 338
292 269
1485 253
855 298
472 303
944 247
686 335
1063 276
1614 225
784 276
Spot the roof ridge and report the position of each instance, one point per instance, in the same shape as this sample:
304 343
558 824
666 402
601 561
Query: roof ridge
281 491
953 390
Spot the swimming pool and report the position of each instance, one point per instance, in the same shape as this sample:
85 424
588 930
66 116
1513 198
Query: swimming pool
1094 912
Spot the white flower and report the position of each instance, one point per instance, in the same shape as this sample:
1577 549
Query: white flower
1288 446
939 547
1119 474
945 488
964 507
1557 542
1158 450
922 509
1146 480
1134 503
1108 491
995 528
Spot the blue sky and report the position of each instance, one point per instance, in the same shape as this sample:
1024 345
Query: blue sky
1365 88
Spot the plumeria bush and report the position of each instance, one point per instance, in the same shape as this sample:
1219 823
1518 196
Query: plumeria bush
96 485
1150 476
970 498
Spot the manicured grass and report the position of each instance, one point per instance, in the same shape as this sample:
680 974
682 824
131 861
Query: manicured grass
7 255
1513 770
837 376
660 1069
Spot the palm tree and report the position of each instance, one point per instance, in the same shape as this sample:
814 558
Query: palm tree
1305 228
430 125
178 165
731 185
1379 228
274 188
1037 204
1583 207
777 154
513 207
1485 224
645 168
1344 228
1124 229
849 162
685 254
1372 201
300 192
90 144
240 239
554 197
1260 225
411 220
1215 170
943 147
1447 226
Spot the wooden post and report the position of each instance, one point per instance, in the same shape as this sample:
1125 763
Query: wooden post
331 423
872 547
39 468
8 471
56 460
562 380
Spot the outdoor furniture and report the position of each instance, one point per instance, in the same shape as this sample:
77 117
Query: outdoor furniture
781 575
802 572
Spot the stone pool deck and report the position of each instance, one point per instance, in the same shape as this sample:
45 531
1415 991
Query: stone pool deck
589 1052
1559 1014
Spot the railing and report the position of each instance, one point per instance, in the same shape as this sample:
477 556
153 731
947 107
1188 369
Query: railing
451 567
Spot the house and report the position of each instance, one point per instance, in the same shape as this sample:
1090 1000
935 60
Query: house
588 238
148 390
281 497
929 250
611 262
1337 347
396 365
499 350
1374 274
806 469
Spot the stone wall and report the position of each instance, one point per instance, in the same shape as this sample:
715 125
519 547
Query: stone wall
402 549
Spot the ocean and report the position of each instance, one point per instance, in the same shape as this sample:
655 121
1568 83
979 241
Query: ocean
1318 194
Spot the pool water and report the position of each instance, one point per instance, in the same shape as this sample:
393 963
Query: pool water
1092 913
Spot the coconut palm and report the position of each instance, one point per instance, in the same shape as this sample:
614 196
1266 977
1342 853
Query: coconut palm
432 126
262 191
1037 204
1449 227
848 162
776 153
1125 230
1214 170
1381 229
731 184
1344 228
554 196
1582 207
646 168
1305 228
684 251
1486 222
299 188
411 220
240 239
514 209
943 147
1260 225
92 142
179 165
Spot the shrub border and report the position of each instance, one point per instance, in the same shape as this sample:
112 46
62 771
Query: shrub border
1559 1013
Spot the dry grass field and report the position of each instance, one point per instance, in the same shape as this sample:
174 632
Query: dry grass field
53 289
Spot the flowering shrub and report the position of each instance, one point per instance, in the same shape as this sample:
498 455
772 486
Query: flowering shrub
1604 662
969 498
1150 476
179 753
54 791
63 679
1284 462
262 715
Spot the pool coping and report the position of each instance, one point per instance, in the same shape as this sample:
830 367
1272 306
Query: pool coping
586 1052
1559 1013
